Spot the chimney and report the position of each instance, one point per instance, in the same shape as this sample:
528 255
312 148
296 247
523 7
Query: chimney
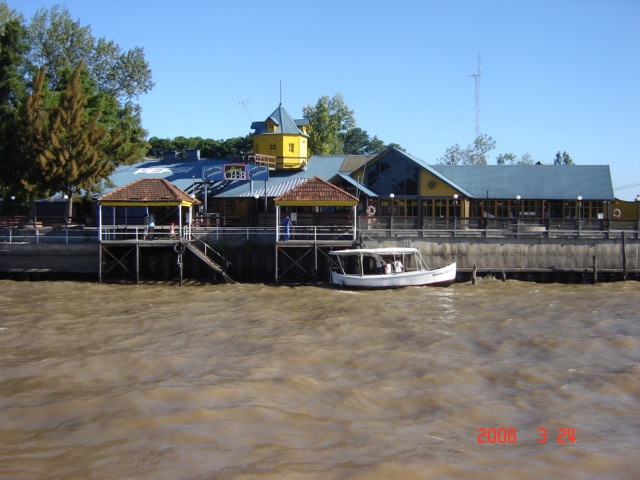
192 155
170 155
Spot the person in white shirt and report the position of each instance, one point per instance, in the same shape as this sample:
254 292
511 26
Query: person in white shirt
398 266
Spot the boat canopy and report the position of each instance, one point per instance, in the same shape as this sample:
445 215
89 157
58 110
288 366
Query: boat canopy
377 251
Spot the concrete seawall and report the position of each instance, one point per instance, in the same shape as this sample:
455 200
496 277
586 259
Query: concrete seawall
523 254
550 259
28 258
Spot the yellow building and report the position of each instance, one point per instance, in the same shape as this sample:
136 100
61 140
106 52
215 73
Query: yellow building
282 137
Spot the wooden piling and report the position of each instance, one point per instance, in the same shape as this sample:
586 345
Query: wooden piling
624 256
473 274
595 269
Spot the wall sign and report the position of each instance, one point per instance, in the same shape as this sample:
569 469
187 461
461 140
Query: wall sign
236 171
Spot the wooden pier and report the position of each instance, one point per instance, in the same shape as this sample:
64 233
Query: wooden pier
303 256
118 253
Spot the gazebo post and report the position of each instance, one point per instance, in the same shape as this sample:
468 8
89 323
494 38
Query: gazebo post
355 222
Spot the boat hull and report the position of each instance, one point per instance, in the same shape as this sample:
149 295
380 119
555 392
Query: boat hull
441 276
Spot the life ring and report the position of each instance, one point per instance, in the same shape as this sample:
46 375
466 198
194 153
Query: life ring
179 247
617 213
371 210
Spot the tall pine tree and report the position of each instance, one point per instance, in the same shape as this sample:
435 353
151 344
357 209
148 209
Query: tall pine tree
79 145
29 141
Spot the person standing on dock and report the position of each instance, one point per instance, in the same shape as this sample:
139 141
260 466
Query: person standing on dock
151 223
286 222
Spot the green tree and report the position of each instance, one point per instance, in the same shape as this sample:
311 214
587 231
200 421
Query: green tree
511 159
82 150
13 47
474 154
454 155
478 151
358 142
7 14
60 43
563 159
329 121
20 172
506 159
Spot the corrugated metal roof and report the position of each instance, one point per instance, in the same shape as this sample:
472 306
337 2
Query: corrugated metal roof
353 162
323 166
357 184
550 182
272 190
181 173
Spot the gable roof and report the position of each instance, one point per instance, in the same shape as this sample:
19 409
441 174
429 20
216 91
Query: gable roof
549 182
316 192
285 124
148 191
420 163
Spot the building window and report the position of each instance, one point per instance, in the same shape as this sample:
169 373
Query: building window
272 147
291 148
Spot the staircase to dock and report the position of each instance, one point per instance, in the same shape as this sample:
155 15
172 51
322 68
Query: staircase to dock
207 260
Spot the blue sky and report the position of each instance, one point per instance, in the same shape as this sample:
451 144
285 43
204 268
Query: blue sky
560 75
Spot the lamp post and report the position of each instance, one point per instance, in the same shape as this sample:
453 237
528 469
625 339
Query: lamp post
391 220
455 213
579 211
518 213
257 197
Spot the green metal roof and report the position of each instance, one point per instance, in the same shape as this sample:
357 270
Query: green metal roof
549 182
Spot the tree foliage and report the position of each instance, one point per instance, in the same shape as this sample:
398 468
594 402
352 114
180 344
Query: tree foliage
13 47
333 131
474 154
563 159
329 121
208 147
512 159
60 43
69 126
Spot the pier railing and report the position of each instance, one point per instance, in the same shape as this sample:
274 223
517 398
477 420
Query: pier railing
496 227
372 226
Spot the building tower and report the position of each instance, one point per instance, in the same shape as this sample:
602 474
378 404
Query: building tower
282 137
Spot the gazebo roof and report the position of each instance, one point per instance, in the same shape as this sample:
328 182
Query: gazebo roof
148 192
316 192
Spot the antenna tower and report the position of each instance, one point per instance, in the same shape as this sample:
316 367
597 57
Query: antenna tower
243 102
476 77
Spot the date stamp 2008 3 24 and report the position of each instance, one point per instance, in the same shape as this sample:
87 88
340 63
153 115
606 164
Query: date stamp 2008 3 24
510 435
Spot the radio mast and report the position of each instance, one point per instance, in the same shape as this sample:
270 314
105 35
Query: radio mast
476 77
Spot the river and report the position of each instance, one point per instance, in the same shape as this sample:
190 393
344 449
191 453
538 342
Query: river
511 380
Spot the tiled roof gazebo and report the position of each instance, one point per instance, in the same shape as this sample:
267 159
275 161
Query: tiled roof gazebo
316 192
149 192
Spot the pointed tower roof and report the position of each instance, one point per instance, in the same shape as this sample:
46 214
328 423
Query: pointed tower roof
285 124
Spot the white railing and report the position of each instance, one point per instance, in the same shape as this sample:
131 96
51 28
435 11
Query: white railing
140 233
42 236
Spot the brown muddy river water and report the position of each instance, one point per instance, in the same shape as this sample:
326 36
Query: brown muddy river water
497 380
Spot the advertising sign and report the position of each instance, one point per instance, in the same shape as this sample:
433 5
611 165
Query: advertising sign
236 171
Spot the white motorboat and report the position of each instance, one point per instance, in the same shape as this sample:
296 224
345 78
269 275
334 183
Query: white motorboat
360 268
